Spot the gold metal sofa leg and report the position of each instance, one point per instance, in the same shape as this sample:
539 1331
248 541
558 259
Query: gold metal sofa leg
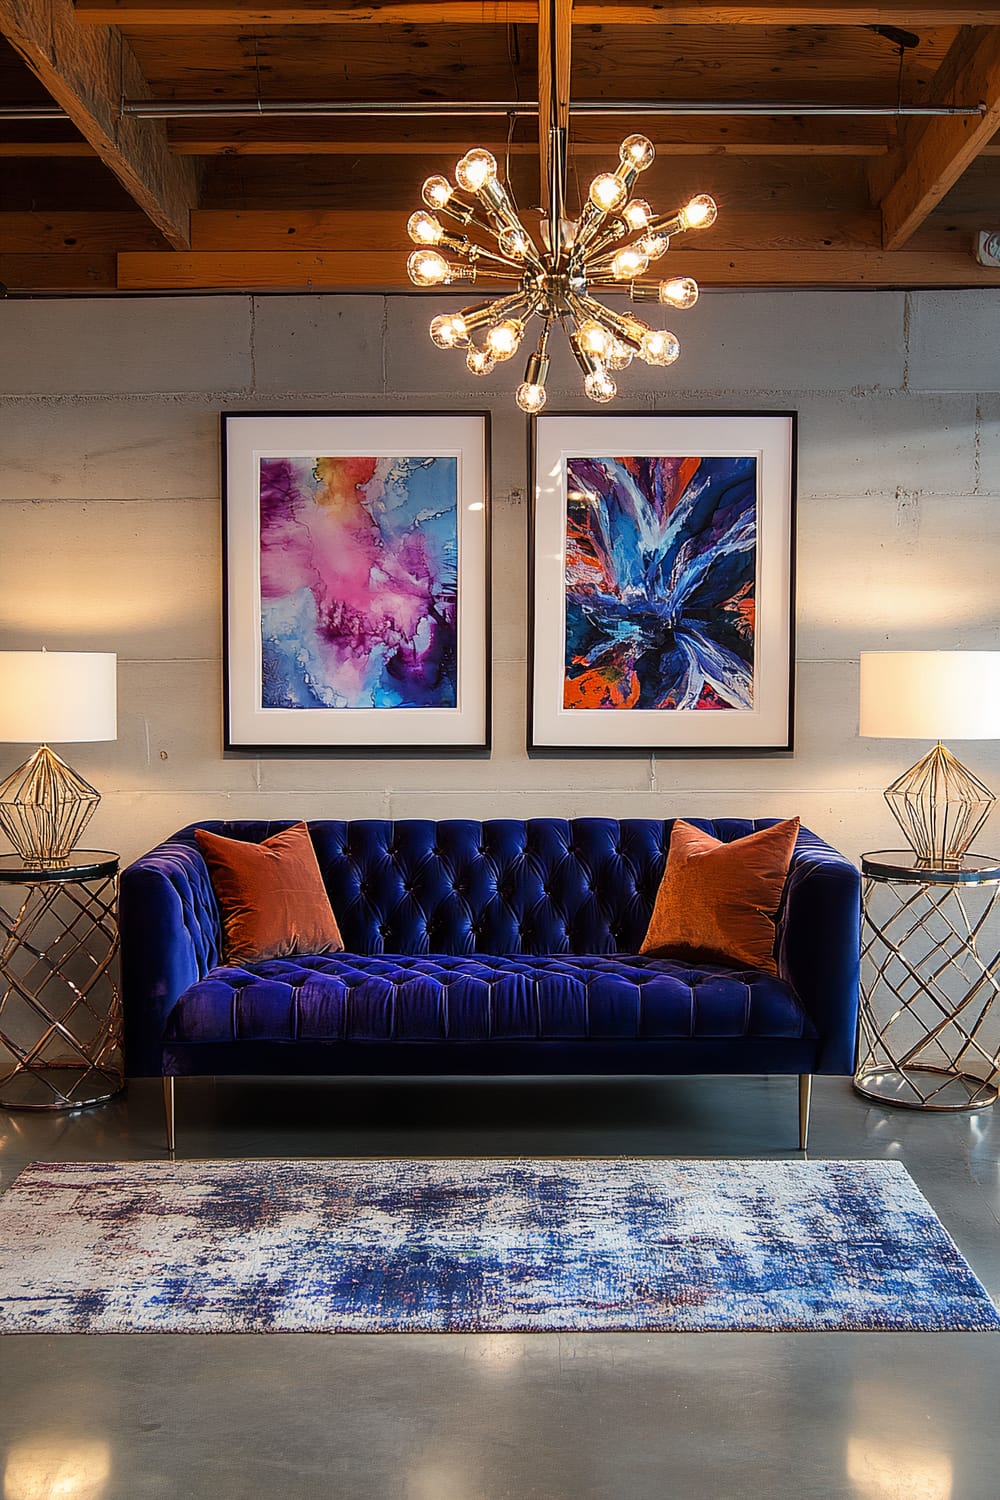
805 1097
168 1110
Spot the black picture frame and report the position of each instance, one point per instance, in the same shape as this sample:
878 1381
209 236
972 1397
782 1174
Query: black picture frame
560 720
254 727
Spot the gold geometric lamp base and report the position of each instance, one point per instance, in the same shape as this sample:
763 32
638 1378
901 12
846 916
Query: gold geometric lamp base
44 808
940 806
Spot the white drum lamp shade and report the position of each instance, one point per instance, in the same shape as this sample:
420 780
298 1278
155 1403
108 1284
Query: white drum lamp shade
931 695
57 697
45 697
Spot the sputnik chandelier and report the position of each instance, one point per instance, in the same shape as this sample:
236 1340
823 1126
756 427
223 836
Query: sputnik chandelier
608 248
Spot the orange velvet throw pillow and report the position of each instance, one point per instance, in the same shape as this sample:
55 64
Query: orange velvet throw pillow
717 902
271 896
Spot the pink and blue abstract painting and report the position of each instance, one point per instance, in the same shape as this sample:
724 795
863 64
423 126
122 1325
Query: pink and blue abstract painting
661 563
359 582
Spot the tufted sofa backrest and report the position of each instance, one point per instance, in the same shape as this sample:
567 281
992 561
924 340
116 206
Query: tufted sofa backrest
545 885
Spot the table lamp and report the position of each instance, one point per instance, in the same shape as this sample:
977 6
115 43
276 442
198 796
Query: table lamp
64 696
930 695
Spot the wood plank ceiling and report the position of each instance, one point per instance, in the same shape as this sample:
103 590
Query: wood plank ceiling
98 197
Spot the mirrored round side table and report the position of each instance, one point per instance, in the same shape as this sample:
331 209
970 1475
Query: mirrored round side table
60 1003
930 973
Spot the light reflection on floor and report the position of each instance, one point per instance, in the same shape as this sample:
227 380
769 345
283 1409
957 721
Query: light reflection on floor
52 1467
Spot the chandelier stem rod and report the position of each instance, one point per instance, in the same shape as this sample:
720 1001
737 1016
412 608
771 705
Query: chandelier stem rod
557 191
558 54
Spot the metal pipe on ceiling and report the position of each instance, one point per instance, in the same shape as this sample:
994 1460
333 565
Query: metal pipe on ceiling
196 109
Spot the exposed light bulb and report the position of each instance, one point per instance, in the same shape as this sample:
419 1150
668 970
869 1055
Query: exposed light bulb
629 263
427 268
504 339
437 191
680 291
600 387
607 192
480 361
476 169
637 214
659 347
637 151
699 213
619 356
655 244
448 331
530 398
423 228
513 243
593 337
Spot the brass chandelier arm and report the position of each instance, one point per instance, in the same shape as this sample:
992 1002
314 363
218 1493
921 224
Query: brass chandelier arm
480 252
616 232
490 274
482 314
627 328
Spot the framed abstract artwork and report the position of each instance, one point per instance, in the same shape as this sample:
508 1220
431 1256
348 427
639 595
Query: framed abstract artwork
356 581
662 582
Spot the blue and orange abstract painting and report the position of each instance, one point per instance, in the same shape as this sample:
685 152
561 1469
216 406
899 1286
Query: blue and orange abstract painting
358 582
661 559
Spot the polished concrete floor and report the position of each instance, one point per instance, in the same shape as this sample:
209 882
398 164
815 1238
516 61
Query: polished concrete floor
514 1417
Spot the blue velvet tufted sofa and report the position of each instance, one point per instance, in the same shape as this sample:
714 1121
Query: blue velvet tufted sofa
500 947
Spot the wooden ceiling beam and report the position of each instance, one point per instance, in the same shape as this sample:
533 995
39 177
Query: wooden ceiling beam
343 230
46 148
222 13
820 136
76 233
258 270
705 137
58 273
350 270
326 230
834 184
130 13
86 71
336 230
347 250
932 156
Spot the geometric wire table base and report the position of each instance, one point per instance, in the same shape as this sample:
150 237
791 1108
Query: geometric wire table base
908 1088
60 1085
60 1004
930 974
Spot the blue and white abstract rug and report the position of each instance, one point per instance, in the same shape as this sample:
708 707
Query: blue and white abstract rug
376 1246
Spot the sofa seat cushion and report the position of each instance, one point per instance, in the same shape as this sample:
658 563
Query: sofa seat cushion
347 997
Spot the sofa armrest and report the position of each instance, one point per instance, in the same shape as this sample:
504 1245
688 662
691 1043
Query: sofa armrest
170 937
819 941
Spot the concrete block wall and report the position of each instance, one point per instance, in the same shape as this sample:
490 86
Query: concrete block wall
110 512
